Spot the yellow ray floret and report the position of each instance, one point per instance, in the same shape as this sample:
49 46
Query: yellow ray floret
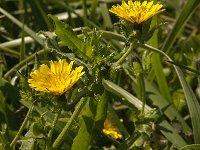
56 79
110 129
137 12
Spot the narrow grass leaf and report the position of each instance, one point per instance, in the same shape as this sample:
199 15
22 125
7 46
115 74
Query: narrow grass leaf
193 105
84 8
101 113
171 134
167 130
22 46
157 65
162 103
192 102
93 10
191 147
185 67
42 12
9 51
186 13
117 90
19 24
105 15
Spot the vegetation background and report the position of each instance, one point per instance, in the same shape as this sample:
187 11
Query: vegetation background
155 91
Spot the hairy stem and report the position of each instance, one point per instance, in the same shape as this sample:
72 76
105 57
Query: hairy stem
61 136
22 126
132 46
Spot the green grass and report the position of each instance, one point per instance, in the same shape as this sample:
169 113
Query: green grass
146 75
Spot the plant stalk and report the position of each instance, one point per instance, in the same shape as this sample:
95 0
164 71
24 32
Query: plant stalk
57 115
22 126
61 136
116 64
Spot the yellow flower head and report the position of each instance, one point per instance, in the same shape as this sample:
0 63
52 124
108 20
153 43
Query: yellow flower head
56 79
110 129
137 12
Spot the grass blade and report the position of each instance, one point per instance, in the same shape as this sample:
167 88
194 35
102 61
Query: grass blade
187 12
162 103
19 24
192 102
167 130
192 146
113 88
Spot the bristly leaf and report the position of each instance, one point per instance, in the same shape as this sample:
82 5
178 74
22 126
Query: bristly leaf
70 39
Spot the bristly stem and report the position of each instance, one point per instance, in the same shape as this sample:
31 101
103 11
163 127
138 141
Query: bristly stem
57 115
132 46
22 126
61 136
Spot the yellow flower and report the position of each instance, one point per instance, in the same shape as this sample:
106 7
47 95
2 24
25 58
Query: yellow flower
110 129
56 79
137 12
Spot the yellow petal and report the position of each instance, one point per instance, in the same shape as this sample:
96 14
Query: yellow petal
56 79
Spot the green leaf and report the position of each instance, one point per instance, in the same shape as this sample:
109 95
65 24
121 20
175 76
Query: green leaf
84 136
101 113
113 88
192 102
29 143
8 91
41 11
162 103
93 10
157 65
185 67
19 24
168 131
193 105
105 15
187 12
171 134
70 39
4 140
48 115
191 147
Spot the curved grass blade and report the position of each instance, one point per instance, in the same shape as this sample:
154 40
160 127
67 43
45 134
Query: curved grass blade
113 88
162 103
167 130
19 24
187 12
191 147
192 102
157 65
42 12
185 67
